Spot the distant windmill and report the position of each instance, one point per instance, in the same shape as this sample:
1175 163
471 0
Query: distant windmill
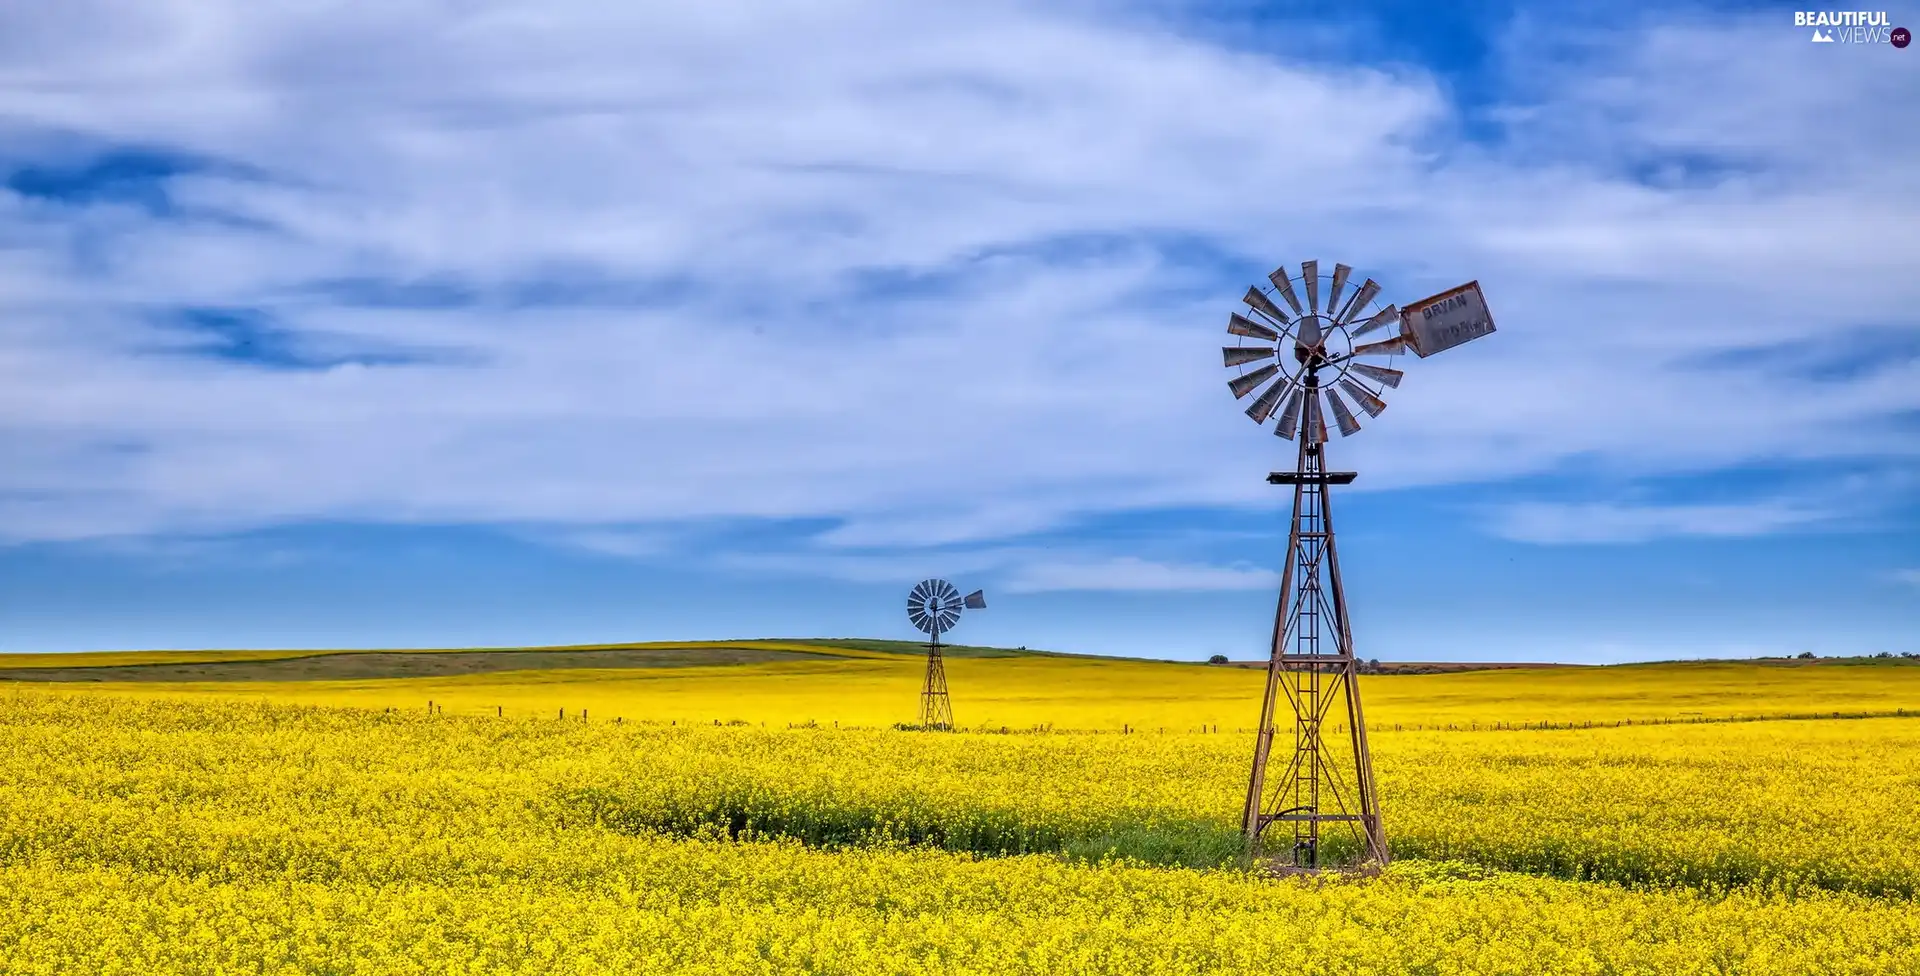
934 606
1310 357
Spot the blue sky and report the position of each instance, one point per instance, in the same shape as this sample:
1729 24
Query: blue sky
474 323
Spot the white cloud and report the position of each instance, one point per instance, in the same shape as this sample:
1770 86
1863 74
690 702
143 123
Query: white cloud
752 172
869 567
625 543
1609 523
1911 576
1014 569
1128 573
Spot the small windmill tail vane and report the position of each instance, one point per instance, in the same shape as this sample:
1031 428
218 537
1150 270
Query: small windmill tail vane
1306 356
934 607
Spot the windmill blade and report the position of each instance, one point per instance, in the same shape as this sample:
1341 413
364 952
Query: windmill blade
1262 408
948 618
1316 421
1240 325
1380 318
1386 347
1341 415
1239 355
1290 417
1340 273
1284 285
1360 299
919 590
977 600
1373 405
1379 374
1264 305
1244 384
1310 276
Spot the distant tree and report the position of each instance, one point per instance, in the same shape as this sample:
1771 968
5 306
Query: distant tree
1217 659
1805 655
1373 664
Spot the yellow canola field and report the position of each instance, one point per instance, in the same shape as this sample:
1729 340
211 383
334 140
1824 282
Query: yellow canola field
144 836
877 690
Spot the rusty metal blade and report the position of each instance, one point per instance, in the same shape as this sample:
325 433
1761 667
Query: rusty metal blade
1284 285
1290 417
1379 374
1359 303
1240 325
1342 416
1264 305
1262 408
1385 347
1310 276
1384 317
1373 405
1243 385
1237 355
1340 273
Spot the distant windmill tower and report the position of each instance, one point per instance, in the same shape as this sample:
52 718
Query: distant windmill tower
934 606
1326 792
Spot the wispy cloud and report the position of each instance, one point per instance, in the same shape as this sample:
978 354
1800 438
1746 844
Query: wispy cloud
620 542
1908 576
1131 574
1610 523
890 567
1013 569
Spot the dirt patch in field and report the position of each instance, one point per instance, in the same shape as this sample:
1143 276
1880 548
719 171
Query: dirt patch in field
351 665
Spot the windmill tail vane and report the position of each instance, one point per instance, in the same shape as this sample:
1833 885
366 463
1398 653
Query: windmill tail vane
1303 363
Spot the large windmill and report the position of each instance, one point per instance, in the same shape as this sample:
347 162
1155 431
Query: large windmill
934 606
1306 356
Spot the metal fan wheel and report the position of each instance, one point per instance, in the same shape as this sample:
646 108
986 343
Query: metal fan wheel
1319 318
934 606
